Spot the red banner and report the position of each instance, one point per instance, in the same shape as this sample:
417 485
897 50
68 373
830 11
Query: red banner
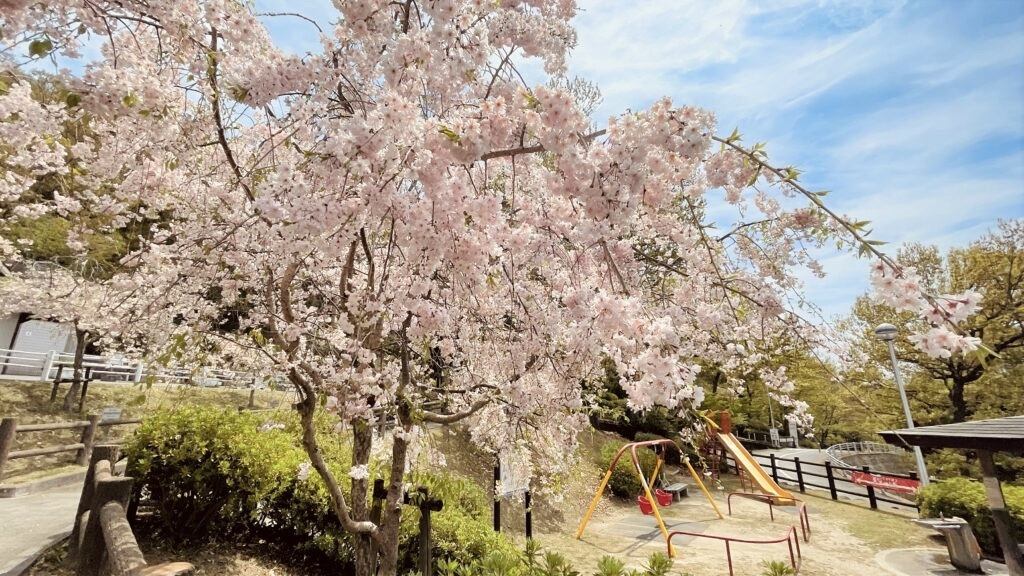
884 482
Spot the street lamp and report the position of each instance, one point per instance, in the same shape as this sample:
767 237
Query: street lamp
887 333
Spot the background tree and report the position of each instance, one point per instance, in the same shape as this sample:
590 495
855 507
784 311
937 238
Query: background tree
952 386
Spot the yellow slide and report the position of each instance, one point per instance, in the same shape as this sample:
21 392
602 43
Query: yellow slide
761 479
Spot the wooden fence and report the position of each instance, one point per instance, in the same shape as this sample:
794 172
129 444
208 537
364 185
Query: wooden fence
9 430
102 541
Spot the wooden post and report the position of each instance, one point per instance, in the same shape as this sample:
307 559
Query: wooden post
529 515
56 383
123 555
101 453
108 489
871 489
8 430
1000 516
799 474
426 505
379 495
85 387
252 398
88 438
831 480
775 468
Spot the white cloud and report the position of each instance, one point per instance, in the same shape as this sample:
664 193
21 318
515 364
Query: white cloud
912 114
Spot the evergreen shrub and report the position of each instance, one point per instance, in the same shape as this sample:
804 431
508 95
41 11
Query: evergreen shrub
224 475
965 498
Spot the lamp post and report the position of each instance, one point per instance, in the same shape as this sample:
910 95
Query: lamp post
887 333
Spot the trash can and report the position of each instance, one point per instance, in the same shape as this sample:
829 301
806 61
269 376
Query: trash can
964 551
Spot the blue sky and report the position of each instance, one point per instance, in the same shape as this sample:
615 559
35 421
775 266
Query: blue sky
911 113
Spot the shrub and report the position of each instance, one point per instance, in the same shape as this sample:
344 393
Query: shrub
965 498
461 531
209 469
672 453
624 481
213 473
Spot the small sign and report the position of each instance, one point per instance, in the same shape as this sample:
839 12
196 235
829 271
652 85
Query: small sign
111 414
515 473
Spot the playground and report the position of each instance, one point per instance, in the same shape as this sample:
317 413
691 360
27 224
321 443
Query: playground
845 539
735 524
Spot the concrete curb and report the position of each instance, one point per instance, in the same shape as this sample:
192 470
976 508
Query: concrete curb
43 484
928 562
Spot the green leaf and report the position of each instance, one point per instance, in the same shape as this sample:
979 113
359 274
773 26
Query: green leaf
238 93
130 100
735 136
450 134
40 47
72 99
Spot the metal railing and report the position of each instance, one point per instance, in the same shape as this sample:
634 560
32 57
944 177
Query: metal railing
56 367
836 452
791 539
766 438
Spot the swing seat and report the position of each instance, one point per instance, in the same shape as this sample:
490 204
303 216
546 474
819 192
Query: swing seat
645 505
663 497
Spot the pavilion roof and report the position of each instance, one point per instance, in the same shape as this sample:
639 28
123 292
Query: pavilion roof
995 435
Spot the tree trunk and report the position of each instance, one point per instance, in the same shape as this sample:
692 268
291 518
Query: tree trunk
81 339
956 399
362 443
396 492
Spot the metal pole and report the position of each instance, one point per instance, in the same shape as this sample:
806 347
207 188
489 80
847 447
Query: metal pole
922 472
497 499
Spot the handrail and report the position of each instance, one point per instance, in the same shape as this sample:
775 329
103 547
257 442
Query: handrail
53 365
101 534
9 429
833 452
789 539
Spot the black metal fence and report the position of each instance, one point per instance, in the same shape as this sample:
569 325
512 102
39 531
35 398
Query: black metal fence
833 479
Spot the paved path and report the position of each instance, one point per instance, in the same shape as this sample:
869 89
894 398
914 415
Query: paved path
31 524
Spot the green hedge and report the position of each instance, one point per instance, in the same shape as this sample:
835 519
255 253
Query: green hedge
224 475
207 470
965 498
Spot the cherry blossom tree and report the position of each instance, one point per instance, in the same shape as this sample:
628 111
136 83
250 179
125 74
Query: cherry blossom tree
404 226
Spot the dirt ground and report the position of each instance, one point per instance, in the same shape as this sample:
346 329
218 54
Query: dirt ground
843 539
